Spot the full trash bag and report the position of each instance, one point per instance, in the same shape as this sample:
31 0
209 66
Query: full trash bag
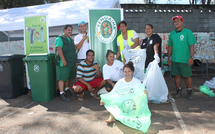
138 57
206 90
129 106
155 84
211 83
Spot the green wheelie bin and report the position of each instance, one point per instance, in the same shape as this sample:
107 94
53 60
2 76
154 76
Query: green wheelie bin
11 76
41 71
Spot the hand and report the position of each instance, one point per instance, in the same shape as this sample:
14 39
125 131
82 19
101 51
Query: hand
190 62
84 37
64 62
96 66
128 47
90 88
146 92
169 62
102 103
157 58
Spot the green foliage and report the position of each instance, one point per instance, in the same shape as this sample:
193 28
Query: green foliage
21 3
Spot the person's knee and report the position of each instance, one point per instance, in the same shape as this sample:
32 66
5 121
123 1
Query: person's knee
78 89
108 89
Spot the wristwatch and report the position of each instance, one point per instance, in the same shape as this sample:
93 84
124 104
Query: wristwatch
191 57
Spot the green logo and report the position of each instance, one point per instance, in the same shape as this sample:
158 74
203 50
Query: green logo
106 29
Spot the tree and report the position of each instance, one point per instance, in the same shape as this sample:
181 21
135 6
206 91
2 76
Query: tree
21 3
203 2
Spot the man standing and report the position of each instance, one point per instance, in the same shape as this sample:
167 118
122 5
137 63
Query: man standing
86 76
82 41
152 44
65 60
181 51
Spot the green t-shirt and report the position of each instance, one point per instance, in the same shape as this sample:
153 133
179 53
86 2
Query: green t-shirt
181 42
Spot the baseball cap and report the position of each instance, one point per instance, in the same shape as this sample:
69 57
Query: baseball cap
81 23
177 17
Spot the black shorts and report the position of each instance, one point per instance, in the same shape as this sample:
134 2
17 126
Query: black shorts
107 85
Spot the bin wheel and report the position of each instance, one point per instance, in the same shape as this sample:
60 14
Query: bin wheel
26 90
58 92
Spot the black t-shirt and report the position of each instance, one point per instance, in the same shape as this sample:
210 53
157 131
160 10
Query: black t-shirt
148 44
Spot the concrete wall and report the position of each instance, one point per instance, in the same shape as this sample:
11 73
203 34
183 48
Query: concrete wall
196 18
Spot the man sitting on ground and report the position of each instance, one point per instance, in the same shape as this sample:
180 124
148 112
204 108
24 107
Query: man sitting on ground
86 76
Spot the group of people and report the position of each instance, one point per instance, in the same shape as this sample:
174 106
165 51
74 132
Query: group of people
88 73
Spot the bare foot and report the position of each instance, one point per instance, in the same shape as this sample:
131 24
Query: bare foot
110 119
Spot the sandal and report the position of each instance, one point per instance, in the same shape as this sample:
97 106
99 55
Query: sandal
81 96
97 97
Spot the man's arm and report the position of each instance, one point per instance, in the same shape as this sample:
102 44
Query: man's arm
136 43
80 44
60 53
118 53
169 55
190 61
99 73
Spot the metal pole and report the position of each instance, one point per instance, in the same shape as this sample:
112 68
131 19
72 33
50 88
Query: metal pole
206 68
202 66
9 42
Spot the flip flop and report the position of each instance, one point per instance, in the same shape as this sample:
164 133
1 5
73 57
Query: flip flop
78 94
80 98
96 97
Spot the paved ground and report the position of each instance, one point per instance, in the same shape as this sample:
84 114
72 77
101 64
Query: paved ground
22 115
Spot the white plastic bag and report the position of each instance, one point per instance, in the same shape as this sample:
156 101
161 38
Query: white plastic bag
211 83
138 57
155 84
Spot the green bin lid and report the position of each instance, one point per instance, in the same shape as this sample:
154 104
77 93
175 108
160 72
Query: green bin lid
8 57
38 57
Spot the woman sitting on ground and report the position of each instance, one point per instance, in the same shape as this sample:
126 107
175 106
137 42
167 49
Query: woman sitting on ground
127 81
111 70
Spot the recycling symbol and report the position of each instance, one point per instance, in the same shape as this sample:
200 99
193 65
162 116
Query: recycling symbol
36 68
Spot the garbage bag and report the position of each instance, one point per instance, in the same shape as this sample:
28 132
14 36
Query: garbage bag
211 83
129 106
138 57
155 84
206 90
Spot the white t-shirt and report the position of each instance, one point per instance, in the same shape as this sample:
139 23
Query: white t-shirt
86 46
122 83
125 42
113 72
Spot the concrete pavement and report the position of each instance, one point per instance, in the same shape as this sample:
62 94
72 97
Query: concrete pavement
22 115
